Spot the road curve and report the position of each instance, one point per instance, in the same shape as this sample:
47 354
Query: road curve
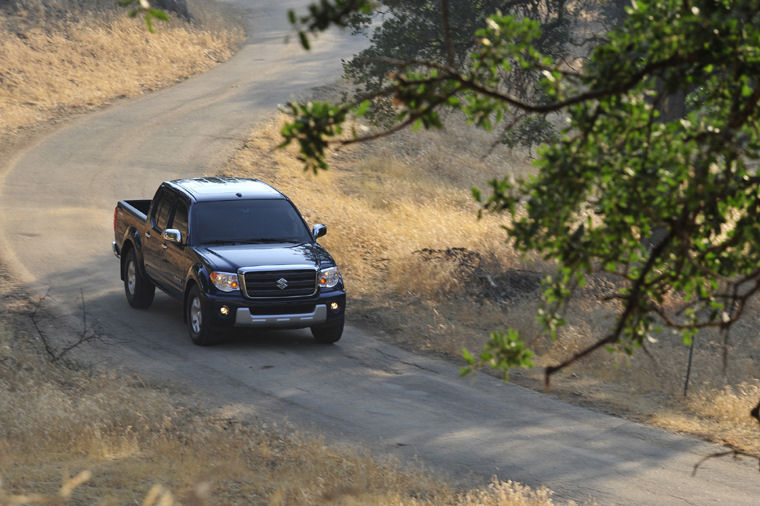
56 205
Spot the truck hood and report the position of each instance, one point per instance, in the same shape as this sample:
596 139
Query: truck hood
230 258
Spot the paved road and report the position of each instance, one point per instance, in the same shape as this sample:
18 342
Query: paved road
56 204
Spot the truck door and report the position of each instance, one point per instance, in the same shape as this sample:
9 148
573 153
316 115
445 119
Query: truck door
153 243
176 259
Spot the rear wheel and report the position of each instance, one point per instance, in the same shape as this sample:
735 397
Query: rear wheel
138 288
196 319
328 332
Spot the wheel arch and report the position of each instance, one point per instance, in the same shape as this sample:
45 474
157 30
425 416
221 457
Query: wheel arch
198 276
125 249
131 241
191 282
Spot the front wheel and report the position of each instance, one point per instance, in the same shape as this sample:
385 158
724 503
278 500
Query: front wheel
328 332
139 290
196 319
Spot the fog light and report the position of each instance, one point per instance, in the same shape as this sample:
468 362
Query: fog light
224 311
334 306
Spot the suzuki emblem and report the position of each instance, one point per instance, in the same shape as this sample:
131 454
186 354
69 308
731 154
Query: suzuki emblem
282 283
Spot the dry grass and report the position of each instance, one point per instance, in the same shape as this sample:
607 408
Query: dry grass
386 202
57 60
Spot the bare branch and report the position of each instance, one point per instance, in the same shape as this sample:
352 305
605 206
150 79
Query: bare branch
33 317
84 336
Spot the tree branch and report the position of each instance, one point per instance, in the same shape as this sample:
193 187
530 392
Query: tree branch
414 116
632 300
470 82
447 33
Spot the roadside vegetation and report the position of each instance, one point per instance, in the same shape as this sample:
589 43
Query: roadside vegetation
67 56
421 267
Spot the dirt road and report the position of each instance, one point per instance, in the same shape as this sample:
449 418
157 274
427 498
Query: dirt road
56 207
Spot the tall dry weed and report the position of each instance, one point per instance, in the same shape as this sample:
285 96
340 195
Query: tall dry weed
724 412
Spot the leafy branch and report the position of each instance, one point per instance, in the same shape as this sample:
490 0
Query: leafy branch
149 13
623 172
503 351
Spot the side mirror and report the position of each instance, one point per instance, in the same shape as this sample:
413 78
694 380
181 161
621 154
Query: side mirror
318 231
173 235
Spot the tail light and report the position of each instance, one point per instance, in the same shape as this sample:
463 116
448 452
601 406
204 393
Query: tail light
115 212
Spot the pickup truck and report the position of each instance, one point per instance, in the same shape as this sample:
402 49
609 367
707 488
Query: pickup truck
236 252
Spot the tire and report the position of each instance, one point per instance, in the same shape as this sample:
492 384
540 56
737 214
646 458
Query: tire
196 319
139 290
328 333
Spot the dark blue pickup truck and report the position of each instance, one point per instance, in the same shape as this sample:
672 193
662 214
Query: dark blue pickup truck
236 252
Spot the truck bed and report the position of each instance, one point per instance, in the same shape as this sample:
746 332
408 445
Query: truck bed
130 215
139 208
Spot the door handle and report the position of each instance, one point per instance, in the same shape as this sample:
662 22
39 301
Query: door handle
147 234
164 246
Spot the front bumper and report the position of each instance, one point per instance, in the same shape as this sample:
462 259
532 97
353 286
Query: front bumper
237 311
245 318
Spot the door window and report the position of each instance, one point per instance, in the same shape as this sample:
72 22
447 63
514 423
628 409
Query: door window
180 220
163 211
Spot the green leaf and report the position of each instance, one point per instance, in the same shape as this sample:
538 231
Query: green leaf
159 14
149 22
363 108
304 40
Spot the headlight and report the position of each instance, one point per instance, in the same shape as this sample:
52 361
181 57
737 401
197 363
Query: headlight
225 281
329 277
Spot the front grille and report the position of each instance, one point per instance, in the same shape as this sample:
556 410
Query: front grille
265 284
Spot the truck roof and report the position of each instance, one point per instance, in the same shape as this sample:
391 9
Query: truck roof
225 188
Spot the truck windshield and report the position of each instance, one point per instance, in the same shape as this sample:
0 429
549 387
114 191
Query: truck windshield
248 221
